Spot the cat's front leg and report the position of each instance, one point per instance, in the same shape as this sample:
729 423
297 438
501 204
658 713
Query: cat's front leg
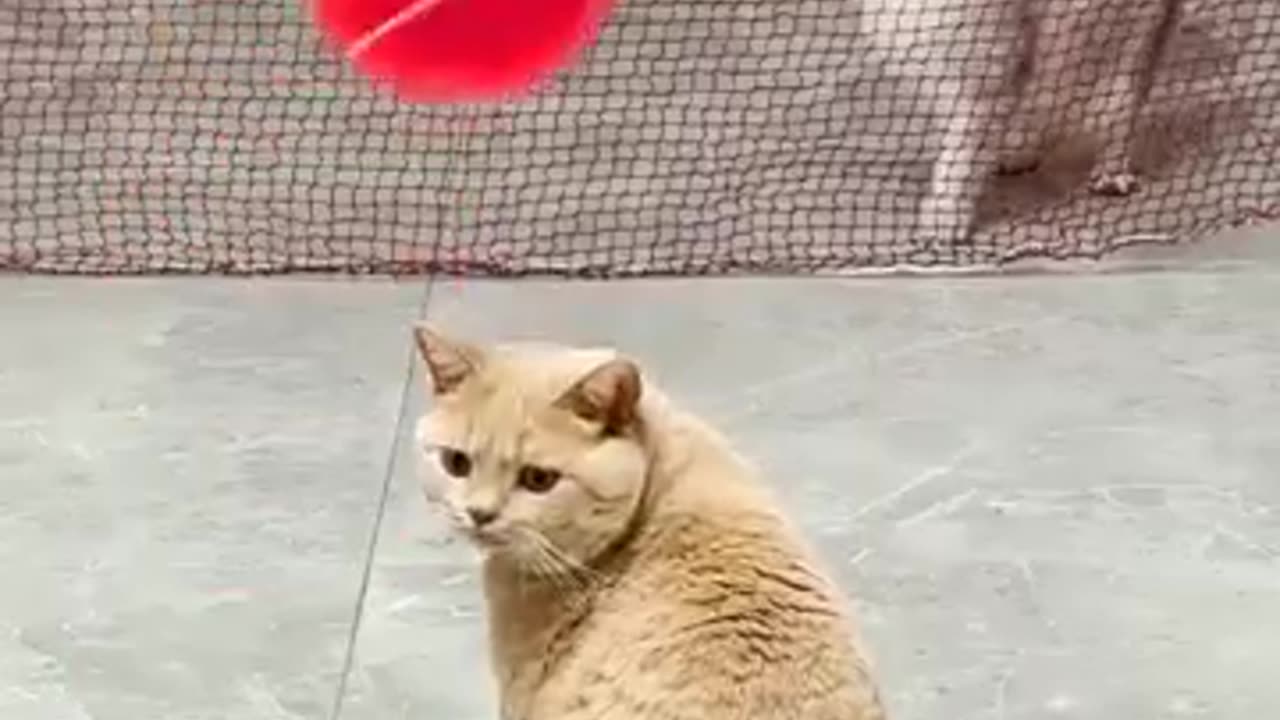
1125 95
1022 144
1113 173
965 161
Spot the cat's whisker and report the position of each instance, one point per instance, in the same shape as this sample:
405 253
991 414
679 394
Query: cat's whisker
548 569
548 564
573 565
538 564
556 565
560 555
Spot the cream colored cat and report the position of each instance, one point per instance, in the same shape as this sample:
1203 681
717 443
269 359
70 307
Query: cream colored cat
1012 80
634 568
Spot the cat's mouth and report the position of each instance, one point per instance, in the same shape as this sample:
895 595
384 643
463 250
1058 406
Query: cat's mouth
484 539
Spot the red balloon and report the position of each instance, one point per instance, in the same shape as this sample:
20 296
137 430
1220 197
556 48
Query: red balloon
461 50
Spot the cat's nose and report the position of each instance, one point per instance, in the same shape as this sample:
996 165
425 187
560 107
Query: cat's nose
482 516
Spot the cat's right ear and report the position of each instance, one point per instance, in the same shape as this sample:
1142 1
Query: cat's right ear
449 362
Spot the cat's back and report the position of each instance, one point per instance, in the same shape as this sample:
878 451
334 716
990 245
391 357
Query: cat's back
713 620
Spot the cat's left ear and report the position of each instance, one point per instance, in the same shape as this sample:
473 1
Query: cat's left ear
609 396
450 362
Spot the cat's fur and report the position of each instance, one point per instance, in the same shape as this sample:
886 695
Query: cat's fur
657 580
1015 79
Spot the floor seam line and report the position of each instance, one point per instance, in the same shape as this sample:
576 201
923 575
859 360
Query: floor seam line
371 548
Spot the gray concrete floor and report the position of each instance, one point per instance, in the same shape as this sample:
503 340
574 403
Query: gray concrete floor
1048 496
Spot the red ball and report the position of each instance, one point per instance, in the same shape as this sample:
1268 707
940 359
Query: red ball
461 50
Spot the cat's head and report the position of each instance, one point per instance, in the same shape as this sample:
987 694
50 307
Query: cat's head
533 452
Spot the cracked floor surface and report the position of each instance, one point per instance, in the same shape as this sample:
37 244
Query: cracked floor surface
1047 496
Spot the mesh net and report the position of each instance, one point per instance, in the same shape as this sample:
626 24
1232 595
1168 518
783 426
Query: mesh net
713 136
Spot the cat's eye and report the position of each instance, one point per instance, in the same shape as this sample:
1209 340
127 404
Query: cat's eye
536 479
455 462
